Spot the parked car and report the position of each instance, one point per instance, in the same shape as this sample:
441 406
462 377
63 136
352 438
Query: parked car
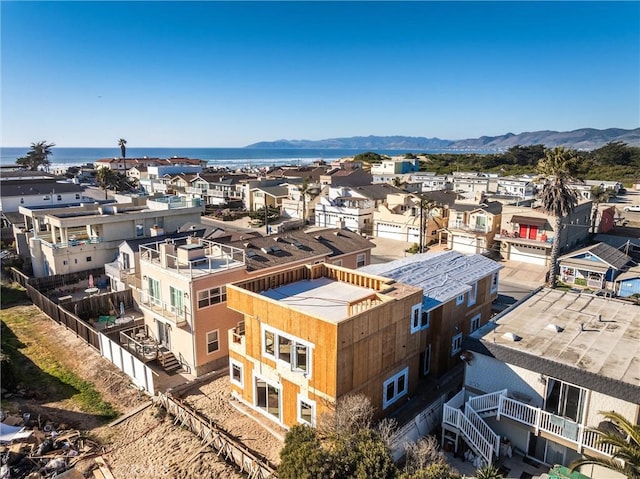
634 208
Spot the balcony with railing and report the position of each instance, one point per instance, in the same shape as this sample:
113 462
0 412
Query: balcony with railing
173 202
192 259
540 240
500 404
460 226
238 340
179 315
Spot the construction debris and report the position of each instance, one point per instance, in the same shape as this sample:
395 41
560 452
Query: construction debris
37 448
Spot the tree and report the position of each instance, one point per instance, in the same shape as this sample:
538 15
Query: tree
122 143
623 435
37 156
303 455
557 168
435 470
598 195
426 205
107 179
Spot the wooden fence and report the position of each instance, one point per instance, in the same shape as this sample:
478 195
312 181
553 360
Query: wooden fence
61 315
230 448
59 280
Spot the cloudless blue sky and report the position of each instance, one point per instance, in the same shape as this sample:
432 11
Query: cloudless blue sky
207 74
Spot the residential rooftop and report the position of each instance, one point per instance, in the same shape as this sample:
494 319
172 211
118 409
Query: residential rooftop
327 292
443 275
583 339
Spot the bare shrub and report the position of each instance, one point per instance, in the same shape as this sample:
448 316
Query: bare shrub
422 453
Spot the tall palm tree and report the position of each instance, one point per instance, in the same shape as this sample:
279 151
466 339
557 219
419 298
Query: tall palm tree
557 169
122 143
426 205
598 195
623 435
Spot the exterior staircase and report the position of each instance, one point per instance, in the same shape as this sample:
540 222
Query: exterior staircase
168 361
466 419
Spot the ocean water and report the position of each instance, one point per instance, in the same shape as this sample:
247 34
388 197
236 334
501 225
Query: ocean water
227 157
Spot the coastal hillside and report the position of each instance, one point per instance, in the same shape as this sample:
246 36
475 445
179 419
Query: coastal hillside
582 139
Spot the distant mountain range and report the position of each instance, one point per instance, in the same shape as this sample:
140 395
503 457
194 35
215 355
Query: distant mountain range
582 139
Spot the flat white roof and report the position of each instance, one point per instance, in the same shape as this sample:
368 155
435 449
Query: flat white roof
442 276
322 298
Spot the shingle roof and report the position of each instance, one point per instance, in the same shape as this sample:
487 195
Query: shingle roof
268 251
607 254
37 187
377 191
598 346
276 191
443 276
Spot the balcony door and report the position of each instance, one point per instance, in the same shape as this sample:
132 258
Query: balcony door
164 335
563 399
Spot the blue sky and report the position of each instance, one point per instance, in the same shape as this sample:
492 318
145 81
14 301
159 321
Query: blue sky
216 74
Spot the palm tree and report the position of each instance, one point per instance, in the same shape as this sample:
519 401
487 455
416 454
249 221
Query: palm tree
557 168
624 436
426 205
106 178
122 143
598 195
37 156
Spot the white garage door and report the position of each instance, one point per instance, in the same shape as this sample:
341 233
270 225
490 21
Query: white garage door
389 231
527 254
413 235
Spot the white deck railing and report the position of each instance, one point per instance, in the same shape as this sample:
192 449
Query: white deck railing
481 437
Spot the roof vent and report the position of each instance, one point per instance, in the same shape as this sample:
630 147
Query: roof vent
512 337
554 327
265 250
318 237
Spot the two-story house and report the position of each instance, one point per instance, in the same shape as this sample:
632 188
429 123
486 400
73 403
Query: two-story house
521 187
388 169
458 291
470 182
538 377
426 181
527 234
78 238
313 333
400 217
472 227
217 189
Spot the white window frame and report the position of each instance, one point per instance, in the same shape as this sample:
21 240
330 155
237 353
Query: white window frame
309 402
416 317
361 258
397 394
266 413
176 300
494 282
456 344
292 364
217 298
239 365
460 299
473 295
337 263
217 331
475 322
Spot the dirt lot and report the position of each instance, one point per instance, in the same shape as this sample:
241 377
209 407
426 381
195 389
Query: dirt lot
147 445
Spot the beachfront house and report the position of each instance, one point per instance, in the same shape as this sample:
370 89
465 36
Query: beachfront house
556 362
311 334
78 238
